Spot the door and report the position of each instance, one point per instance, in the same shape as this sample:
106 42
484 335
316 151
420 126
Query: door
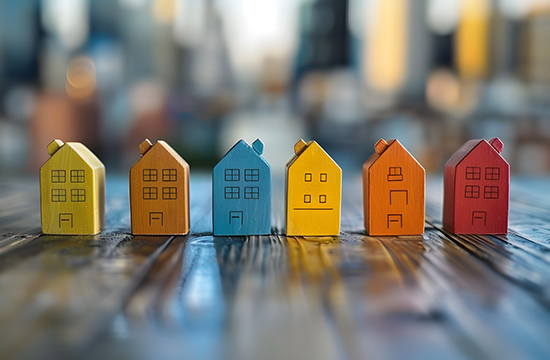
66 221
479 218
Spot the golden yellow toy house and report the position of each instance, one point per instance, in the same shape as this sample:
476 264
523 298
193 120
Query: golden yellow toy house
72 190
313 192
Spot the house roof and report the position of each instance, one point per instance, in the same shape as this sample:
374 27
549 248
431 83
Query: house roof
242 146
380 149
301 147
495 144
83 152
146 146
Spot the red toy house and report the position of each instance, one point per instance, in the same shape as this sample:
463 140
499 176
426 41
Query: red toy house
476 197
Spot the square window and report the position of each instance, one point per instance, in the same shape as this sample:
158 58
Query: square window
473 173
492 173
150 193
150 175
471 191
77 176
252 192
78 195
232 192
322 199
491 192
232 175
59 195
169 193
169 175
308 177
395 170
58 176
307 199
252 175
323 177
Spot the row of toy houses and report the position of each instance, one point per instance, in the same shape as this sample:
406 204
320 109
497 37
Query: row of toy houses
476 191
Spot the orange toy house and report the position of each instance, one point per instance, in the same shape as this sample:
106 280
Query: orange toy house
159 191
393 191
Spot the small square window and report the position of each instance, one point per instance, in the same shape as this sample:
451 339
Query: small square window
252 175
58 176
169 175
232 175
395 170
308 177
169 193
150 175
307 199
492 173
78 195
232 192
59 195
150 193
473 173
471 191
77 176
491 192
323 177
252 192
322 199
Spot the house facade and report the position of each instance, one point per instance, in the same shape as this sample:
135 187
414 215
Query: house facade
159 191
476 195
241 192
313 192
72 190
393 191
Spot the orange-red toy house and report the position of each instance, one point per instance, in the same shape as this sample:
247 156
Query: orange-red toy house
476 195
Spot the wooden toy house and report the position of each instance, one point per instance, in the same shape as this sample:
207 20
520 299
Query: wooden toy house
393 191
159 191
72 190
313 192
241 192
476 195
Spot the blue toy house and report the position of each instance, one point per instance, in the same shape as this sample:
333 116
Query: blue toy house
241 192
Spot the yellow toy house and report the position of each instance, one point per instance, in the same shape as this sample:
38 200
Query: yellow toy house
72 190
313 192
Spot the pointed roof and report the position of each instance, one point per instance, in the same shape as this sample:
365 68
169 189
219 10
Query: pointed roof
146 146
83 152
301 147
256 149
495 144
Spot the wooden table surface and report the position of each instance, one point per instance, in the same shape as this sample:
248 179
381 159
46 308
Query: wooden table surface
115 296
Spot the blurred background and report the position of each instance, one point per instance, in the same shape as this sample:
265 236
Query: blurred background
202 74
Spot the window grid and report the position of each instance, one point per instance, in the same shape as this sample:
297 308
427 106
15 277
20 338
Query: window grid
58 176
492 173
395 170
150 175
491 192
307 199
471 191
252 192
150 193
323 177
232 175
308 177
169 174
232 192
251 175
169 193
77 176
473 173
78 195
59 195
322 199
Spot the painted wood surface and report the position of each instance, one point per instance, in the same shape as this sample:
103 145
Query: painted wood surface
438 295
241 192
72 190
477 181
313 192
393 191
159 191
